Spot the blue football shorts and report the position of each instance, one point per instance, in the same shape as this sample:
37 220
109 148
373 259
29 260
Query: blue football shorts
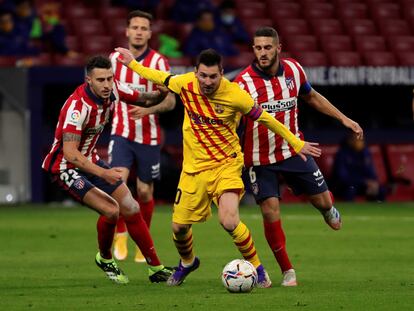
303 177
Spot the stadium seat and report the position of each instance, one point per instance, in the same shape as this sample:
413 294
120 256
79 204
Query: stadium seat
370 43
345 59
72 42
394 27
251 10
326 160
352 10
292 27
8 61
251 25
99 45
405 58
323 27
301 43
76 12
183 31
284 54
43 59
311 59
238 62
180 62
386 11
360 27
408 9
378 59
400 160
89 27
283 10
336 43
379 163
116 28
319 10
164 26
61 60
401 43
111 13
120 41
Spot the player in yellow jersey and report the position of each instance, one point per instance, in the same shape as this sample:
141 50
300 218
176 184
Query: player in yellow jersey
213 159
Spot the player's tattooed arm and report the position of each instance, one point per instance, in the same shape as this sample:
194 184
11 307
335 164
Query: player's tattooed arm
148 99
71 137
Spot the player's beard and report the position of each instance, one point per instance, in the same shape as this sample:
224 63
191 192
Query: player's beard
138 46
272 62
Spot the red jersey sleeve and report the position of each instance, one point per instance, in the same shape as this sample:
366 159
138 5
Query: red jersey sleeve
73 115
125 93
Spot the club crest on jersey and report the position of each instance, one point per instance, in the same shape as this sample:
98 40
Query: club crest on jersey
290 83
255 188
79 184
219 108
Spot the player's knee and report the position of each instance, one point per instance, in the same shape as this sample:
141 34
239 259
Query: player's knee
110 209
270 210
229 224
144 192
180 229
129 206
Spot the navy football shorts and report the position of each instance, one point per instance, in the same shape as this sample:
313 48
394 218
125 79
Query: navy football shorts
125 153
302 177
78 183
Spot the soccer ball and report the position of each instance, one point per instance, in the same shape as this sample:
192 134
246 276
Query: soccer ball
239 276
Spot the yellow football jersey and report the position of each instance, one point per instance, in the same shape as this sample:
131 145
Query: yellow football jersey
209 128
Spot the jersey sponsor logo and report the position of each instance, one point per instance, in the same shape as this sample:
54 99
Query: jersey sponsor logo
94 130
199 119
218 108
280 104
290 83
137 87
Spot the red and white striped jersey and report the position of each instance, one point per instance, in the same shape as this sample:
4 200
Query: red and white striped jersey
147 129
278 95
84 114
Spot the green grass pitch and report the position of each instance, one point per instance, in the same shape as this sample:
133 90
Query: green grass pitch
47 262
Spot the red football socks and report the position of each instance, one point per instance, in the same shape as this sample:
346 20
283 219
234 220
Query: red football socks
277 241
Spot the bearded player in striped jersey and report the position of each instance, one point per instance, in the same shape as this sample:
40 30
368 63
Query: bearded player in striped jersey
213 160
75 166
138 141
275 84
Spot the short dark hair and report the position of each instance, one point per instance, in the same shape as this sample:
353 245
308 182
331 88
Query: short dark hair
98 61
266 32
209 57
139 13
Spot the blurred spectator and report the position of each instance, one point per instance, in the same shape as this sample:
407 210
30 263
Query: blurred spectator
14 41
206 35
354 172
228 21
44 28
186 11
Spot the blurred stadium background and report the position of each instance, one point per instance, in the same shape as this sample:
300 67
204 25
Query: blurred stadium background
359 54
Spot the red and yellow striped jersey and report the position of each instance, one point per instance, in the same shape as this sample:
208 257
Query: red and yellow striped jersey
209 128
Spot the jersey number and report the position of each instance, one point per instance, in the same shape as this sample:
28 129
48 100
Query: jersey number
178 196
69 177
252 175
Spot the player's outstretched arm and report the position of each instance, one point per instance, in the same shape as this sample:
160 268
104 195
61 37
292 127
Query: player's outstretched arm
320 103
153 75
73 155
